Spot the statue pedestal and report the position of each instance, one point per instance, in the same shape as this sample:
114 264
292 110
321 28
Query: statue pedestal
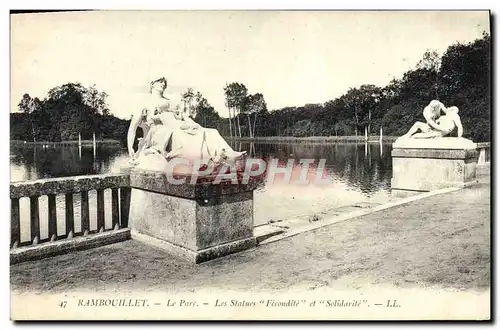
197 222
422 165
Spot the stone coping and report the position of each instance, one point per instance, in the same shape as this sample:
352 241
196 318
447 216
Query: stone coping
203 187
463 154
65 185
436 143
481 145
50 249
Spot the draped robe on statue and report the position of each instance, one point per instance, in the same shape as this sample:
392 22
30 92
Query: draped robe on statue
169 138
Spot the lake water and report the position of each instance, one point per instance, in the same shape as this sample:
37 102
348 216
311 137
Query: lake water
358 172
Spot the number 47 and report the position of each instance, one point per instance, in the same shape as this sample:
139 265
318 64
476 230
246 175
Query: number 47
63 303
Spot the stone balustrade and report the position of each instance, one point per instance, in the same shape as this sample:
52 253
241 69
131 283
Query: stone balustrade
484 151
68 186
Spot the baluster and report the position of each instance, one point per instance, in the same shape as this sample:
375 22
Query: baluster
15 223
52 218
115 211
35 220
85 212
100 210
124 206
70 218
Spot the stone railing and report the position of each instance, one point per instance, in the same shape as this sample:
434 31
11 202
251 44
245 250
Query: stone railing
484 150
120 204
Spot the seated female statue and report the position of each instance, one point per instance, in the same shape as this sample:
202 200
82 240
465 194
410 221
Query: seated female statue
170 133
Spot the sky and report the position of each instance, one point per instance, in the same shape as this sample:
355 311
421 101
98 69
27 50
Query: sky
291 57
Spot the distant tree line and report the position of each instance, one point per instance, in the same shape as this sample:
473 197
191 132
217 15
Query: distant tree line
67 111
460 77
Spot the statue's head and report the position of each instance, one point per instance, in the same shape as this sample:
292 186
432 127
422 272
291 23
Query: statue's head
158 84
435 104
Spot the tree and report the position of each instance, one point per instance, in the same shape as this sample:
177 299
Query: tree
198 108
20 127
226 93
351 100
254 104
68 110
465 77
361 101
28 105
236 94
398 119
187 98
95 99
431 62
206 114
73 104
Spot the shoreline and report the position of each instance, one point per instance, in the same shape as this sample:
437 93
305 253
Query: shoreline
314 139
67 142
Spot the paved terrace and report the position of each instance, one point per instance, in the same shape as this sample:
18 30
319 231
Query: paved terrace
440 242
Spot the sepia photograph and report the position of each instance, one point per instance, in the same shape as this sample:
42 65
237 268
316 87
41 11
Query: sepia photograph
250 165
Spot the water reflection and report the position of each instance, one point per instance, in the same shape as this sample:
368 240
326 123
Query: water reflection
31 163
359 172
361 166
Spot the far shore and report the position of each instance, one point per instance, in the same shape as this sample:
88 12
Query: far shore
313 139
83 142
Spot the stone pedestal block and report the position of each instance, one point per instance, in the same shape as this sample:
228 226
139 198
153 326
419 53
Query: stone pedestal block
198 222
422 165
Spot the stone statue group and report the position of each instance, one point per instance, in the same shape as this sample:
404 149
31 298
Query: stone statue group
169 132
436 125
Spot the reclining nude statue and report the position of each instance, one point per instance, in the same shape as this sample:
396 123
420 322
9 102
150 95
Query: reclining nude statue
436 126
170 133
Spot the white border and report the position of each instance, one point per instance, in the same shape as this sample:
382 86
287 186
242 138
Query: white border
256 4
